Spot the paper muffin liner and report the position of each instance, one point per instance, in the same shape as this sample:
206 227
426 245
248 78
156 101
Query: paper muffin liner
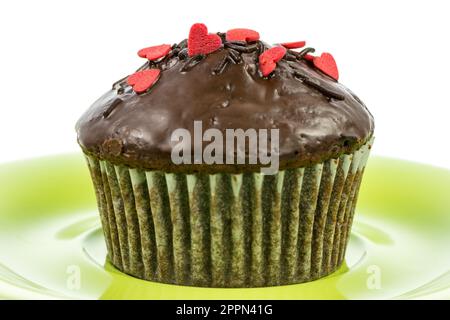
229 230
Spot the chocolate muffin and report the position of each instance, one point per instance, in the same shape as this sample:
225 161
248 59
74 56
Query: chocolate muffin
227 224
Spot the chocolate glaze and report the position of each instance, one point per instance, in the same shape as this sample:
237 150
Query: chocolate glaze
318 118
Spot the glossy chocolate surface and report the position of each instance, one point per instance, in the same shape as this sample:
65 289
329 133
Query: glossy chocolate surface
317 117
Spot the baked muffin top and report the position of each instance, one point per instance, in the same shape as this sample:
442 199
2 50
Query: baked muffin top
237 83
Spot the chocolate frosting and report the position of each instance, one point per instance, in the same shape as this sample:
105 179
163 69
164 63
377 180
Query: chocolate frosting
317 117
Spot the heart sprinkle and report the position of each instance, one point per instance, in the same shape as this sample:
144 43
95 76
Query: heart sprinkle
236 43
309 57
294 45
327 65
247 35
200 42
268 59
155 52
143 80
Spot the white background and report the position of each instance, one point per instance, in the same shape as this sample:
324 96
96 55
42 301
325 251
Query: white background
57 57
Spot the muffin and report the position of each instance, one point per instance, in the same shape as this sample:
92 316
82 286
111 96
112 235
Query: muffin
227 223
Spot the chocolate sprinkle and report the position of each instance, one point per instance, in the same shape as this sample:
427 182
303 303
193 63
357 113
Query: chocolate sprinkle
111 107
183 44
290 57
172 53
238 43
300 75
327 92
261 47
222 65
118 84
235 56
192 62
316 84
222 36
241 48
183 54
301 55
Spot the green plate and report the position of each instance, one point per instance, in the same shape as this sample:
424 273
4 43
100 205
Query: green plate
51 244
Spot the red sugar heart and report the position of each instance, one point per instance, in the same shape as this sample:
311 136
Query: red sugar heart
268 59
309 57
242 35
200 42
327 65
143 80
294 45
155 52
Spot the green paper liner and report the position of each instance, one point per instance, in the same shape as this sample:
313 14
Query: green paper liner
229 230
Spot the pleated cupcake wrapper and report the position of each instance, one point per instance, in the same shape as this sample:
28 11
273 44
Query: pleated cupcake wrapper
229 230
